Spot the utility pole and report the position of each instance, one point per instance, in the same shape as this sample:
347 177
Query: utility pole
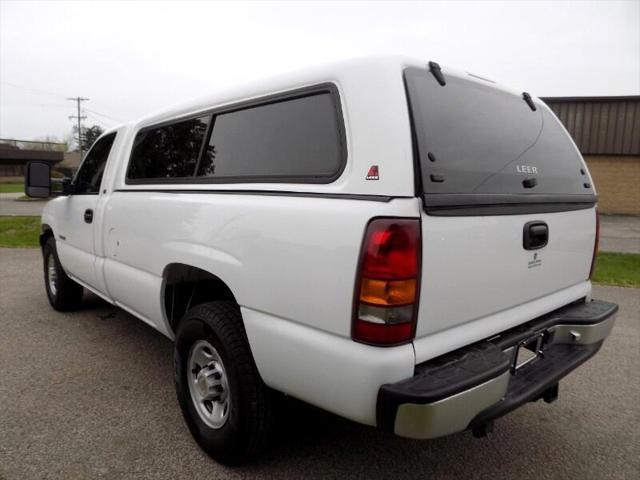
79 117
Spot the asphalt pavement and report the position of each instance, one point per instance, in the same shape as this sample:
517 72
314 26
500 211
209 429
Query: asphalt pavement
90 394
10 205
620 233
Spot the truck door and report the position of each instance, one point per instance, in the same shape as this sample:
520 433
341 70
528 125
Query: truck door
75 240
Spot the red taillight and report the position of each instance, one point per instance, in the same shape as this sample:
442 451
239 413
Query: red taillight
387 285
595 245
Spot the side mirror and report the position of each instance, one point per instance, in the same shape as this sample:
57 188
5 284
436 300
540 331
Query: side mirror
37 180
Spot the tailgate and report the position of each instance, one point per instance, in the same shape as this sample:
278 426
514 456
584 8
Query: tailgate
475 266
509 215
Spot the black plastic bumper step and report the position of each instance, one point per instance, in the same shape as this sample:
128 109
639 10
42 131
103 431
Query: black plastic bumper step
455 372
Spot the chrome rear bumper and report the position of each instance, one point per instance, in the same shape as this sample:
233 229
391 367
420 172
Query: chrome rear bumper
479 383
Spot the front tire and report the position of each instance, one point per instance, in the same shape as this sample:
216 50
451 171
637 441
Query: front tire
225 403
63 293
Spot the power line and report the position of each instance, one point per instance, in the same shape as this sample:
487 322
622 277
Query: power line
52 94
34 90
79 117
103 115
78 100
37 104
99 120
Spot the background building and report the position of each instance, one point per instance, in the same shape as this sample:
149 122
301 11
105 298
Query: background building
607 132
15 154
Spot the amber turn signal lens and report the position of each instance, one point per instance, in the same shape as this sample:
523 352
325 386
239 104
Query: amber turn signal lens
388 293
388 279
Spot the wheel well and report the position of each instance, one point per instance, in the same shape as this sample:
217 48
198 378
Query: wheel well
186 286
45 233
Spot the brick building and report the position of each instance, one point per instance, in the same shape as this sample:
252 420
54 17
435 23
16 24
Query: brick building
607 132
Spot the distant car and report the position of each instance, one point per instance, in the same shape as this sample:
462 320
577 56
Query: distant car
404 245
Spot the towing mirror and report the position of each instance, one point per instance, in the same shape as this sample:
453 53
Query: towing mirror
37 180
39 184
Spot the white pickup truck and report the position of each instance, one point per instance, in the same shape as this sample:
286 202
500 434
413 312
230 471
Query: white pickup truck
405 245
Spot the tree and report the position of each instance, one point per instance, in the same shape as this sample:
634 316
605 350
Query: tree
90 135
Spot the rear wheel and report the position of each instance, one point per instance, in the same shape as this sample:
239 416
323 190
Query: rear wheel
63 293
225 404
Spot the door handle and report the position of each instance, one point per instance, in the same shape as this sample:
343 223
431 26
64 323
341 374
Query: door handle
88 215
535 235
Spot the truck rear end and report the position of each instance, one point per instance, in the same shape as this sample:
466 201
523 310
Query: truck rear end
492 283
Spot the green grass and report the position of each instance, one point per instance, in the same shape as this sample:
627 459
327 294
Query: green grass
19 231
621 269
11 187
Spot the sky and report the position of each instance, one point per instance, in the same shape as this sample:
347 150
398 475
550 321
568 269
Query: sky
133 58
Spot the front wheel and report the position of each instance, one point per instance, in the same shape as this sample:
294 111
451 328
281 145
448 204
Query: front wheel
224 402
63 293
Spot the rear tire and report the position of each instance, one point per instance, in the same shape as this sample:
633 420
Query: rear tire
225 403
63 293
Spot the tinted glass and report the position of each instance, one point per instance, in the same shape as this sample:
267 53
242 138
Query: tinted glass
288 139
170 151
487 141
89 176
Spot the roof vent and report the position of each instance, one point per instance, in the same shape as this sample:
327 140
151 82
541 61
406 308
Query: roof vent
529 100
436 71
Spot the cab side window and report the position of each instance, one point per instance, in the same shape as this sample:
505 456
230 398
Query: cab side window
170 151
88 178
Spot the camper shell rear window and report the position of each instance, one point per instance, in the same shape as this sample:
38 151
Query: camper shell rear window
477 144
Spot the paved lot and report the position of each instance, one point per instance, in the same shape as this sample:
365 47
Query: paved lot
9 205
90 395
620 233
